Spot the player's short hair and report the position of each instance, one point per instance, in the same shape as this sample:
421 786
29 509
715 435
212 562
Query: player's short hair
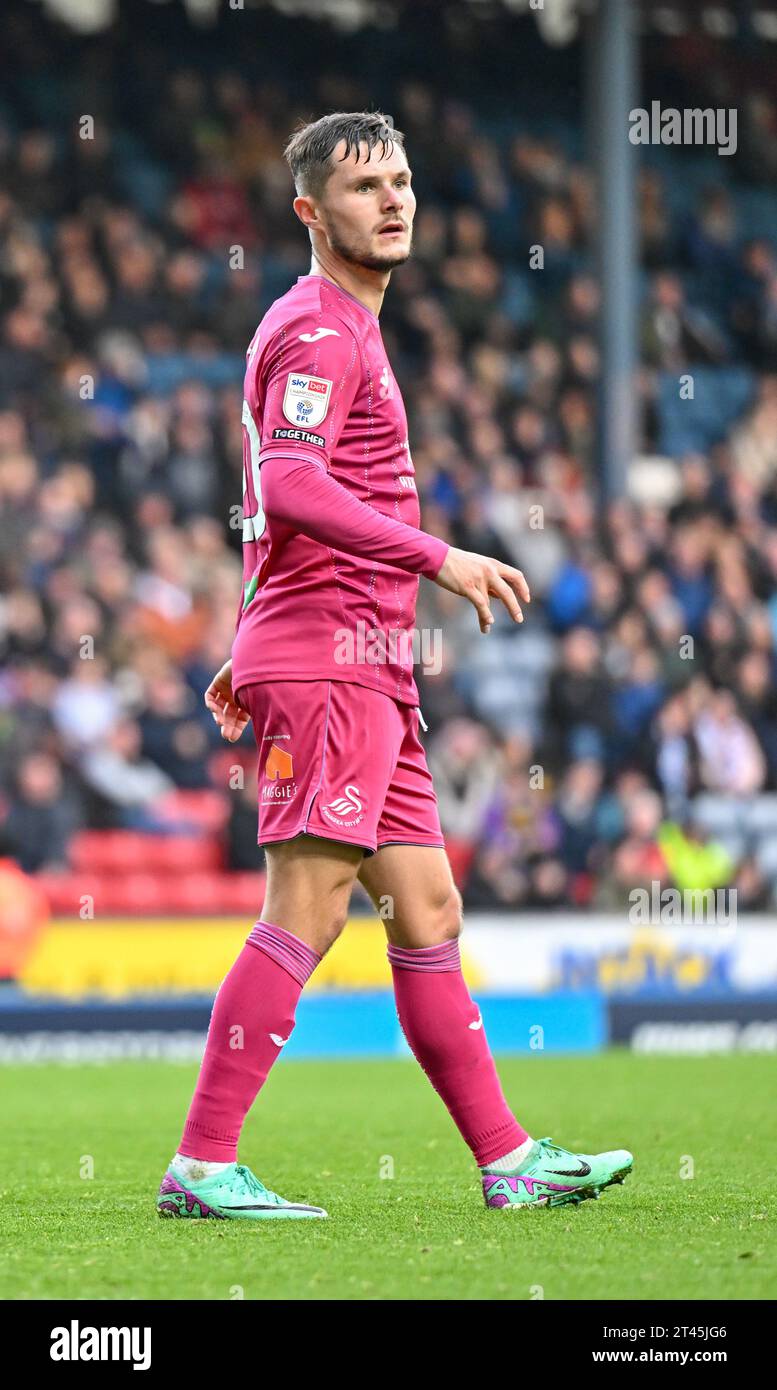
309 151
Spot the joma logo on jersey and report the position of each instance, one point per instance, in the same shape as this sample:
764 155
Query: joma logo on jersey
306 399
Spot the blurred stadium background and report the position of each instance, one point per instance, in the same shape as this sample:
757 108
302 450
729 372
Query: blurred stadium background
627 734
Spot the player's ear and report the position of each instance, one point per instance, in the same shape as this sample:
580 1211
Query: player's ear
306 211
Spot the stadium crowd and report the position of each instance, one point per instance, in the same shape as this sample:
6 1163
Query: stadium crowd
628 732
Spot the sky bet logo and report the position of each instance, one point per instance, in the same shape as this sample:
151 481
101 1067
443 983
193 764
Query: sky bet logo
76 1343
308 383
306 399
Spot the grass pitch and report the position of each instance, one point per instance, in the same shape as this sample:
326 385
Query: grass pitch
333 1133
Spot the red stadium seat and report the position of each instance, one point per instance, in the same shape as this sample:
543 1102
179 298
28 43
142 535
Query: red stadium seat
66 892
183 854
127 851
208 810
244 893
132 894
108 851
185 892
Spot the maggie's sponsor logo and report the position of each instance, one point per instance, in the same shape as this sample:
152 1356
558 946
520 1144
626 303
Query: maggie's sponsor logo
280 764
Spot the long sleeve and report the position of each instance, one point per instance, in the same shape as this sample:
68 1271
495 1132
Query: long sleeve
301 495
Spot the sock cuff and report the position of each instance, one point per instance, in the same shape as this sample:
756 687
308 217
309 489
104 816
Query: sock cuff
435 959
293 956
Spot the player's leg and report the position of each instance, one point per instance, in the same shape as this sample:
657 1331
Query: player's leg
442 1025
320 793
308 889
309 885
444 1029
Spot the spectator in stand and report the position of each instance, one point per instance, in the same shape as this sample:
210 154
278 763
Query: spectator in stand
637 862
578 810
126 784
675 335
464 766
578 697
731 759
43 815
676 754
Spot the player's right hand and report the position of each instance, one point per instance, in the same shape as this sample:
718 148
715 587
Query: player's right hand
477 577
220 700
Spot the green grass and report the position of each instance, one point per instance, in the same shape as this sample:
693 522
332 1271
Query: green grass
324 1132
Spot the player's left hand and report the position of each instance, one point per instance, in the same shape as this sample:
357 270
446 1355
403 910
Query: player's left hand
478 577
220 700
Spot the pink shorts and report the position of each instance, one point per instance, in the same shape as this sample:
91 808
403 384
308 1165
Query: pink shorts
341 762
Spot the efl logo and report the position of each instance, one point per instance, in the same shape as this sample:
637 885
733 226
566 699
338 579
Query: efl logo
306 399
76 1343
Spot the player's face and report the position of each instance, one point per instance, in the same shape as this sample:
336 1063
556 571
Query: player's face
368 208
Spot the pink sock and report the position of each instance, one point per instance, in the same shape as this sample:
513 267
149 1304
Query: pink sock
437 1017
253 1015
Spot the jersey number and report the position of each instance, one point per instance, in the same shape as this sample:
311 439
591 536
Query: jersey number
253 525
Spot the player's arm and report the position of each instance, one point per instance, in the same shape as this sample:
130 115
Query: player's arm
298 491
308 380
301 495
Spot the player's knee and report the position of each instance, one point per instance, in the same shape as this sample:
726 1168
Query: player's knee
318 919
449 916
331 925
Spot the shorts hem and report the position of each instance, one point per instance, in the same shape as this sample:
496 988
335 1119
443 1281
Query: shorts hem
428 843
315 835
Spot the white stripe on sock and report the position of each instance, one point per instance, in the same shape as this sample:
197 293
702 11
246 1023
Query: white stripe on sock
195 1169
510 1163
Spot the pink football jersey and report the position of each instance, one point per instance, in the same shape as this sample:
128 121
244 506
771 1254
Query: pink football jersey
329 587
